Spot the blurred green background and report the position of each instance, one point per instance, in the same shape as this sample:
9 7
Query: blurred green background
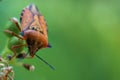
84 34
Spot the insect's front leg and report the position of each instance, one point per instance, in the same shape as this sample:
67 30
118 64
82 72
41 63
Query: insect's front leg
15 21
14 34
21 55
14 51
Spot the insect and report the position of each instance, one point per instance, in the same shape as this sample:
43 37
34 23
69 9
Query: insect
33 30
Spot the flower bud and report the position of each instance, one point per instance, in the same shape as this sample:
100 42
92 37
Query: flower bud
29 67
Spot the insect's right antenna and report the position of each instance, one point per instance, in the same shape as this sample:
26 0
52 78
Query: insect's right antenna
45 62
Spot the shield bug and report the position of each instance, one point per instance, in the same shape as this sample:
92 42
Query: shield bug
33 30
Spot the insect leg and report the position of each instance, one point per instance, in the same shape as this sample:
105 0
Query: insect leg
14 47
14 34
14 20
21 55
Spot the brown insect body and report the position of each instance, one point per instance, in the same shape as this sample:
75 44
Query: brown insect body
33 29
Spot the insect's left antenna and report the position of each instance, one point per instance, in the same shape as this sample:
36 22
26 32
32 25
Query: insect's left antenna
45 62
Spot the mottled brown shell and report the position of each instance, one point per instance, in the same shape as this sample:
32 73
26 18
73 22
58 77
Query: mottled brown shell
34 29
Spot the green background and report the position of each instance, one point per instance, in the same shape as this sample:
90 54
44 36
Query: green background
84 34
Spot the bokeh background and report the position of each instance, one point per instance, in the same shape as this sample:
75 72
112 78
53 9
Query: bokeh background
84 34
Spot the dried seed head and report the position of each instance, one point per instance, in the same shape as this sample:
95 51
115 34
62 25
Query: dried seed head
2 65
32 68
29 67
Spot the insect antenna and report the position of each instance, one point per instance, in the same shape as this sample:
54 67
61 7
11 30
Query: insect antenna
45 62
